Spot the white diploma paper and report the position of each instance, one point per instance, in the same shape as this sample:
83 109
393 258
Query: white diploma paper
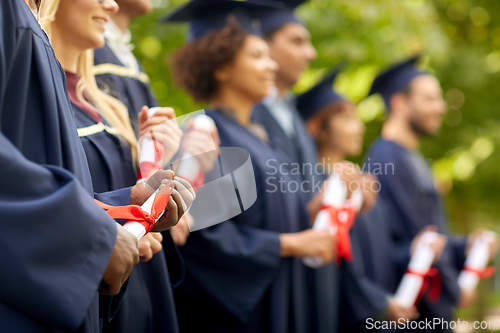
420 262
335 195
477 260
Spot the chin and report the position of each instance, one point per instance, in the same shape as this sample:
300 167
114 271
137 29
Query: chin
355 151
257 97
98 42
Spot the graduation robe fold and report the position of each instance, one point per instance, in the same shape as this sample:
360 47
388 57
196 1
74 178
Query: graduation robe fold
413 203
55 241
373 276
235 278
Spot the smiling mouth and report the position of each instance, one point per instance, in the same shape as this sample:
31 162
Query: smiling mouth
100 20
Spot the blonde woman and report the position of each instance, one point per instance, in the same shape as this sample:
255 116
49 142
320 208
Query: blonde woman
76 28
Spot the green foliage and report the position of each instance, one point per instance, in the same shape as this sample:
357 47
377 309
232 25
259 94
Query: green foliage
461 43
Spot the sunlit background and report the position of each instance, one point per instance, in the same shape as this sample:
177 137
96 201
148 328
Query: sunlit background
460 41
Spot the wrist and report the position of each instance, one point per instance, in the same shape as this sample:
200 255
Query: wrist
138 194
287 245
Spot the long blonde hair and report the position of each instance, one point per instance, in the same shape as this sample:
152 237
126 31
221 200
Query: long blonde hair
110 108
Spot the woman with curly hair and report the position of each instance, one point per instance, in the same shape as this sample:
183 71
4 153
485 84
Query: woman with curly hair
76 28
244 274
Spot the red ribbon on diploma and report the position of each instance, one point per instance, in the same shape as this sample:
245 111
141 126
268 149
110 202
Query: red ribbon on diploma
482 274
432 281
134 213
343 219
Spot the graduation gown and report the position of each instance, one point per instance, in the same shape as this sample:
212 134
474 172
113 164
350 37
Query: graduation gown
301 150
413 203
147 305
119 81
373 276
55 242
236 280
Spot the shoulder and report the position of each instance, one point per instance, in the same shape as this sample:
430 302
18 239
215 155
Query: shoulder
384 151
16 15
259 112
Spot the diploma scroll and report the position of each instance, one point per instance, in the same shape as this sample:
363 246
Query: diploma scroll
420 263
136 228
150 158
141 219
345 211
189 168
476 261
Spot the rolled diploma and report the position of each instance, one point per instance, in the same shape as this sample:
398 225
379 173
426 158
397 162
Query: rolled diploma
137 229
335 195
420 262
147 146
189 168
477 259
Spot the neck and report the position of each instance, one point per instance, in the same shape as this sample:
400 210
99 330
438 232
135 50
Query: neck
400 132
239 103
328 158
122 20
282 87
66 54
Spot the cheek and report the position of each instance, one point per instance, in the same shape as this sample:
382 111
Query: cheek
75 20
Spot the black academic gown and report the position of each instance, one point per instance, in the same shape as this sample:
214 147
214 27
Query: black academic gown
373 276
117 81
413 203
301 150
55 241
147 305
235 279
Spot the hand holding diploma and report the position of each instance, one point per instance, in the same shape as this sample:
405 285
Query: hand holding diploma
180 200
337 216
482 246
155 205
159 124
318 244
149 245
426 249
200 140
124 257
396 311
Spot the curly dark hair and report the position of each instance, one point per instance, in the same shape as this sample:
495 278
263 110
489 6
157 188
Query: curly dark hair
194 64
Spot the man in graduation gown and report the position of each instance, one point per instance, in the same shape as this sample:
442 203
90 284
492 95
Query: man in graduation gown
58 247
370 279
290 46
416 107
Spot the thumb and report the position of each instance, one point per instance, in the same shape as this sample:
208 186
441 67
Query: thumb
430 228
143 114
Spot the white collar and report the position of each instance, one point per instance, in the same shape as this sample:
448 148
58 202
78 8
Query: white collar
115 35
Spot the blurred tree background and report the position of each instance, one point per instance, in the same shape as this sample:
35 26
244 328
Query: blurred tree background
460 41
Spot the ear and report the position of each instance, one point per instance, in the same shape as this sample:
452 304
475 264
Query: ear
223 74
313 127
399 104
